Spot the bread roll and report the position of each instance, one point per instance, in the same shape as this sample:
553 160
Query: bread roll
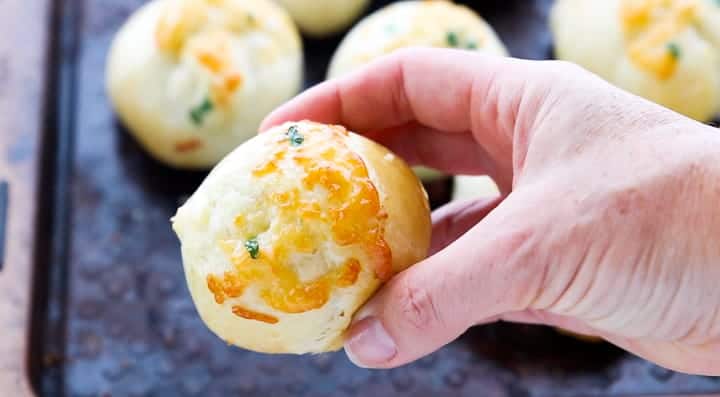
411 24
293 231
666 51
468 187
318 18
192 79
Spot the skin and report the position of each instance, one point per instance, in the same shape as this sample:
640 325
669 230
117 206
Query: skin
607 224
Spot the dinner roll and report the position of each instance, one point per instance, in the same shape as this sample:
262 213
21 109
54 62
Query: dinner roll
293 231
667 51
320 18
467 187
411 24
192 79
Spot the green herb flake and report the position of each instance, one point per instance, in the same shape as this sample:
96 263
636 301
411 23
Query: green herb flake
452 39
198 113
253 248
296 138
674 49
471 45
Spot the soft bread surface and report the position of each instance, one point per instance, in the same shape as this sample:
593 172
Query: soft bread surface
320 18
293 231
192 79
667 51
413 24
467 187
404 24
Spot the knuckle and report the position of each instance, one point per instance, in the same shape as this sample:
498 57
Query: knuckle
417 306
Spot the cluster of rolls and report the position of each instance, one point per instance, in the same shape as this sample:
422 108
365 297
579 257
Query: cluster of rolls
294 229
192 79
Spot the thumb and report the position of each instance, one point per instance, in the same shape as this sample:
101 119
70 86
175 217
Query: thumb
482 274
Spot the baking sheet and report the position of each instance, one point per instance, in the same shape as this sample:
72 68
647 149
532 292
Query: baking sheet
127 326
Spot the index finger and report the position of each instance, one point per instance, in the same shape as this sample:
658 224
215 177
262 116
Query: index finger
450 91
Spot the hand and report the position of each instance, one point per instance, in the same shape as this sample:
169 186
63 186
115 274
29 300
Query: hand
608 223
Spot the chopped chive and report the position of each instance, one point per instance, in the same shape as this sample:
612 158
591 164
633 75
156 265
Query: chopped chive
198 113
471 45
253 248
452 39
296 138
674 49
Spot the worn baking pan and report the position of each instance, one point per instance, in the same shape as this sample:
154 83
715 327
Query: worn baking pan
111 315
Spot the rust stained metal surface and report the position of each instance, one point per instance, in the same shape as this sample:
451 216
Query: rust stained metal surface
128 327
22 72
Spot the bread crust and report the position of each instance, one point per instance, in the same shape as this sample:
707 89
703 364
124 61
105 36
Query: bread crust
337 250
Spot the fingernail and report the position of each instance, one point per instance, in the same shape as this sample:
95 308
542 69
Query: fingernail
369 344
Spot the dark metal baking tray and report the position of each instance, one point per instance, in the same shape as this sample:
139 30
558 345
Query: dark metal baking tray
112 315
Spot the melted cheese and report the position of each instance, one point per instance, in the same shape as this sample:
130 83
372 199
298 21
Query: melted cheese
212 50
188 145
205 29
334 199
183 19
253 315
650 28
177 23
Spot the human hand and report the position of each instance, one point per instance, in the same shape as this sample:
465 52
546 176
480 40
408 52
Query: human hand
607 224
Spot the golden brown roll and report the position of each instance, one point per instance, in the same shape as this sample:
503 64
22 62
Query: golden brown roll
666 51
192 79
294 230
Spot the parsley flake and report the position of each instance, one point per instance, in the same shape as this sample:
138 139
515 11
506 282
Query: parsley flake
253 248
198 113
452 39
674 50
296 138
